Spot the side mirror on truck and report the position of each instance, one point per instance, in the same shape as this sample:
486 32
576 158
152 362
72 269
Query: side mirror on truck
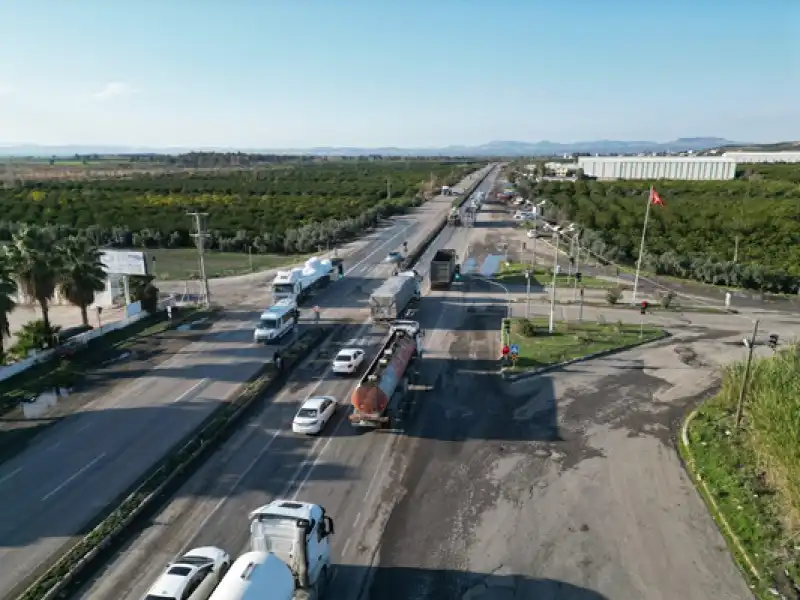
327 523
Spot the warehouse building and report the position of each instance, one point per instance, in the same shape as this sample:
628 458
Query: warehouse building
763 157
701 168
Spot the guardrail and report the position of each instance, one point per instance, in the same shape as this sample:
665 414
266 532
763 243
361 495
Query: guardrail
168 474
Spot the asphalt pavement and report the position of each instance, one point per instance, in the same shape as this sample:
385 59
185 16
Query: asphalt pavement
52 490
565 488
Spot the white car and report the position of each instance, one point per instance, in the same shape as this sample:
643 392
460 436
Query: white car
348 361
532 233
314 414
194 574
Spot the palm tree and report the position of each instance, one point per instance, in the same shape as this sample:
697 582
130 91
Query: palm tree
82 274
36 266
8 290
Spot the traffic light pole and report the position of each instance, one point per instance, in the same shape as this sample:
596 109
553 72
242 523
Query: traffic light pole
743 389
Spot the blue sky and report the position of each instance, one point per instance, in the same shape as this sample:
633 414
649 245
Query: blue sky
279 73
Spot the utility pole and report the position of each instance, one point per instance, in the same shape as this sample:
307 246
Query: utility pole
743 390
200 236
736 249
577 269
388 189
552 326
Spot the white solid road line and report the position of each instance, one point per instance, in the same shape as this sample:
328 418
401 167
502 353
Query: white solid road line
74 476
10 475
190 390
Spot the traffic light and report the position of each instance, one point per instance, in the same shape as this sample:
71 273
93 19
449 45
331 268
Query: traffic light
643 309
578 276
773 340
458 272
340 268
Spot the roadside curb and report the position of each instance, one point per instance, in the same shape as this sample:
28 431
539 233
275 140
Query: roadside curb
518 377
716 514
169 473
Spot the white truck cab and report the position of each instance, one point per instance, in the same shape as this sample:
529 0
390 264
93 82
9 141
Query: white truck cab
290 556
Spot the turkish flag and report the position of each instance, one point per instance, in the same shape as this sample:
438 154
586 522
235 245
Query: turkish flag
655 197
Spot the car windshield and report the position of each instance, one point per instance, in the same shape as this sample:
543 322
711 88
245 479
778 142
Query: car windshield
283 288
154 597
194 560
305 413
269 323
344 358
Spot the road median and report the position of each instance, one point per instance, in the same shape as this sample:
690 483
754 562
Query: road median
570 343
166 476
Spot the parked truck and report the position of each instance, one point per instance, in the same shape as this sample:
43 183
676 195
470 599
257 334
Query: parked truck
388 302
290 555
443 267
380 392
297 284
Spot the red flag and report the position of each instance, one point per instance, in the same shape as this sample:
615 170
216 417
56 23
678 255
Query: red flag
655 197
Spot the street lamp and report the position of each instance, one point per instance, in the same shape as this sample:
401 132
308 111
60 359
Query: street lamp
558 234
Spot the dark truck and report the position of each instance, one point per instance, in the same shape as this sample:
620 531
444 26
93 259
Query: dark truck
443 267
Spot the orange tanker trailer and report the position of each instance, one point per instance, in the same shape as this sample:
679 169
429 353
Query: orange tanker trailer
385 377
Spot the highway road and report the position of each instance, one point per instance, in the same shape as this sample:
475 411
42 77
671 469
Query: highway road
567 488
74 470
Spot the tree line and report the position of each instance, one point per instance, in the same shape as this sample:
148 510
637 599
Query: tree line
281 209
39 264
739 233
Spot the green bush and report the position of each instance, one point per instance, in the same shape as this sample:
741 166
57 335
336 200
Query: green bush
614 295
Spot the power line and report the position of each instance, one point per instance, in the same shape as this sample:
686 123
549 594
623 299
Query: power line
200 236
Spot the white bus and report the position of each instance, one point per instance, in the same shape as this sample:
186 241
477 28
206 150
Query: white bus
269 577
276 321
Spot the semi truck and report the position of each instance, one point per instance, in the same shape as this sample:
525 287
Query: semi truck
443 267
389 301
289 557
297 284
384 385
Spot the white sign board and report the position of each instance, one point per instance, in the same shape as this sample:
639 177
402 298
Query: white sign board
124 262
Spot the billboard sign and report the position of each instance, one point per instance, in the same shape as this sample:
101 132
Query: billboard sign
124 262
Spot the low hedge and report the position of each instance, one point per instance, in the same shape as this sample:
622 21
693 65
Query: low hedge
81 557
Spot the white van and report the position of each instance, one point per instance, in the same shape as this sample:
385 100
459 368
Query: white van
276 321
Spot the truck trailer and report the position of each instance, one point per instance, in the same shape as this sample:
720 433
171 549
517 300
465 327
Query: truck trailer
385 383
389 301
289 559
297 284
443 268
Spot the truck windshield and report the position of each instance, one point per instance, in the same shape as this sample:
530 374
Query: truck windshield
283 288
268 323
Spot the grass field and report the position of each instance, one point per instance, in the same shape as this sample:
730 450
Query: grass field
538 348
182 263
753 472
514 274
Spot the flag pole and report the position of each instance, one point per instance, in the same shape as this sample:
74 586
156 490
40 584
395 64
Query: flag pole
641 245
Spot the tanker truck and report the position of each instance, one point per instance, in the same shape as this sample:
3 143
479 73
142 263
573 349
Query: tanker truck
297 284
384 384
289 557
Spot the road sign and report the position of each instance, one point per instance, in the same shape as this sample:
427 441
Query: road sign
514 349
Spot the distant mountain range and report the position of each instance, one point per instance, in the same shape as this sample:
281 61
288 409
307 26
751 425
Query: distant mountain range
500 148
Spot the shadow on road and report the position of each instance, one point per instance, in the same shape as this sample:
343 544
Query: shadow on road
402 583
